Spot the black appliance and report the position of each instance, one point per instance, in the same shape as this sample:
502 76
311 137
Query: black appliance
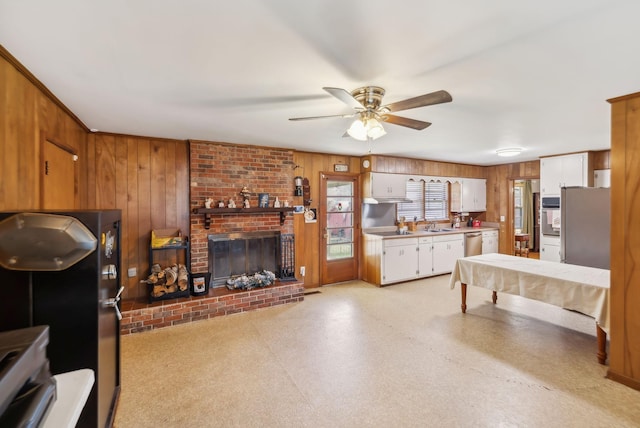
79 303
536 224
27 390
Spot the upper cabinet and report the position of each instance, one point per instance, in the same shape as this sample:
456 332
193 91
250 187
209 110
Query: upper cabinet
563 171
470 195
602 178
380 185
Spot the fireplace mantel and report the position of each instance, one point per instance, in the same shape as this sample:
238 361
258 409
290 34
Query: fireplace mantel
208 212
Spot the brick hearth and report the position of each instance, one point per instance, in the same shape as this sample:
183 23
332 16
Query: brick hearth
138 316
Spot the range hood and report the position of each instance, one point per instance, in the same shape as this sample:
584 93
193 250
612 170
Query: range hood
386 200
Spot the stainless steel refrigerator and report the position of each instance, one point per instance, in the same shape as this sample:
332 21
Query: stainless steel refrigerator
585 214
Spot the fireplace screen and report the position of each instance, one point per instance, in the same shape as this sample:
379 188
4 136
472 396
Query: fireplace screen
232 254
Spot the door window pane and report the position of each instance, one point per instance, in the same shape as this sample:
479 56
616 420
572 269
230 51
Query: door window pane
339 236
339 188
339 251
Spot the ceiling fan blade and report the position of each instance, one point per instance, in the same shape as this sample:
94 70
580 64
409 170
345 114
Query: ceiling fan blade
437 97
322 117
405 121
344 96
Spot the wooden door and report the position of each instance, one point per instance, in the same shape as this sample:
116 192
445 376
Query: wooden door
339 219
58 190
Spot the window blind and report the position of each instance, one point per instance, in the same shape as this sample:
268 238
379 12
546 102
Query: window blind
430 202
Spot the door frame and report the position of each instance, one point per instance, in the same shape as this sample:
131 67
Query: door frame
511 206
357 222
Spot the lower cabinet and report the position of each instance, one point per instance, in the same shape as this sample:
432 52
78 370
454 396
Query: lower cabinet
550 248
399 260
490 241
446 250
425 256
403 259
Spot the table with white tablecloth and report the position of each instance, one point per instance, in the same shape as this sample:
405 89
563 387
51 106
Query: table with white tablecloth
578 288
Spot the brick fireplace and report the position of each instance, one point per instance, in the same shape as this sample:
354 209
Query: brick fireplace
219 171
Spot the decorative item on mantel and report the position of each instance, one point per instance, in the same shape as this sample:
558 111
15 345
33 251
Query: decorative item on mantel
276 203
208 202
257 280
245 193
231 204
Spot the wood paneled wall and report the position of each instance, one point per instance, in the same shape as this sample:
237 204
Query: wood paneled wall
146 178
400 165
624 361
310 165
29 114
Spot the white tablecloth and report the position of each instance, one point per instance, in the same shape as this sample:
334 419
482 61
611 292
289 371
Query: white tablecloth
579 288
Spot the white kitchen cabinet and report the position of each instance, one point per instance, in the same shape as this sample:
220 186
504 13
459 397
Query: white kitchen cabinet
490 241
469 196
602 178
446 250
425 256
399 260
550 248
381 185
563 171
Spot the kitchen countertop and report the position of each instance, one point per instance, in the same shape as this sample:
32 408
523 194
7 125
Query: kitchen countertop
390 232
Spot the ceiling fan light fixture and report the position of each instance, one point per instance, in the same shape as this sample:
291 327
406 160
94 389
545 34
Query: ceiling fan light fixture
510 151
358 130
363 129
374 129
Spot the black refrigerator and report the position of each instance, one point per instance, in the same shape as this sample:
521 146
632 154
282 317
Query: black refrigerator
79 303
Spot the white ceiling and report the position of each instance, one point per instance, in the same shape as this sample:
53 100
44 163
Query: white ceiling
521 73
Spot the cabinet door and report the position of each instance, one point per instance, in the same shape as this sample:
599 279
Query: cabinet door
400 263
550 249
473 195
388 185
425 257
550 175
574 170
602 178
479 194
489 242
445 254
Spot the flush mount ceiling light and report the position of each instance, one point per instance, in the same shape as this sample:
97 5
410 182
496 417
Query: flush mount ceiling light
511 151
364 128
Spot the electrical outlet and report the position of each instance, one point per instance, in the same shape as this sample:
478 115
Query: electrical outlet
501 218
132 272
302 270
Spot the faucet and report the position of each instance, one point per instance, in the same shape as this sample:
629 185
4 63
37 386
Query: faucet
432 225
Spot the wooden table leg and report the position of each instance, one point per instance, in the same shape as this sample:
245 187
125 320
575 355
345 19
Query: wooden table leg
463 306
602 344
494 297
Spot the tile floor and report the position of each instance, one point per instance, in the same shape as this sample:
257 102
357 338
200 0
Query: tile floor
355 355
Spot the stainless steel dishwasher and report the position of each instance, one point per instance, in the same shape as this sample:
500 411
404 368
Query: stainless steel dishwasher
472 244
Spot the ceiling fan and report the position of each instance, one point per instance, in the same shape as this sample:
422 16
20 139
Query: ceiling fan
369 111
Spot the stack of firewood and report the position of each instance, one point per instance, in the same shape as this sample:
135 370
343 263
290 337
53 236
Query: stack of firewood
168 280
